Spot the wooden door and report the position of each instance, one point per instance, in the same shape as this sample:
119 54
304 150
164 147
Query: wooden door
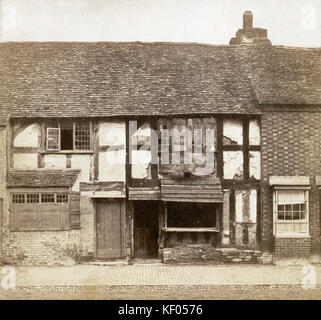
146 229
109 230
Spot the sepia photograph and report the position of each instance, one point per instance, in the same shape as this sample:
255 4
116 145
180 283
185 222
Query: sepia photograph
160 150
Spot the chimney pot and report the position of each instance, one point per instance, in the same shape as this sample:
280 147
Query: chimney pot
247 20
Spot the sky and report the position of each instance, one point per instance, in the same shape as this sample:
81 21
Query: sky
289 22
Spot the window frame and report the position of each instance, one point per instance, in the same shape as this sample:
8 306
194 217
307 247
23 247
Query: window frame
276 232
50 126
47 140
40 195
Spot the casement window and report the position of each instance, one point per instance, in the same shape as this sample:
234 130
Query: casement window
291 212
68 136
33 211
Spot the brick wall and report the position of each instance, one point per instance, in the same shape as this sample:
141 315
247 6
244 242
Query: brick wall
292 247
52 247
291 146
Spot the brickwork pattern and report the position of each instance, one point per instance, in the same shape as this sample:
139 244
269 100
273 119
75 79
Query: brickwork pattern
289 247
291 146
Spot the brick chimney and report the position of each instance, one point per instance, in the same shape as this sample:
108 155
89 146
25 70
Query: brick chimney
250 35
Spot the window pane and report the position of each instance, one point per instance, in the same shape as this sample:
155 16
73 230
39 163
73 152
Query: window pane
281 207
53 138
47 197
62 197
288 207
296 207
281 215
82 136
288 215
33 198
18 198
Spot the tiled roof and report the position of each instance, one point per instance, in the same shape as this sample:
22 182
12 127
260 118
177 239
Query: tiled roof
111 79
284 75
42 178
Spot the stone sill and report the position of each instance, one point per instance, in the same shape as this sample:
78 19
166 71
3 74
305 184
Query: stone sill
292 236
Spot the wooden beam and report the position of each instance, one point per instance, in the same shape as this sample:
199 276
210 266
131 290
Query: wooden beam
172 229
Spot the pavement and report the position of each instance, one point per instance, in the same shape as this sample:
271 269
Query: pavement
138 277
162 275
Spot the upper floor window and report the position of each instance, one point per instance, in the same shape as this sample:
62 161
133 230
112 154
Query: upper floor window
68 135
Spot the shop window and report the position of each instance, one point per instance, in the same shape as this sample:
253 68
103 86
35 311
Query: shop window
68 136
191 215
291 212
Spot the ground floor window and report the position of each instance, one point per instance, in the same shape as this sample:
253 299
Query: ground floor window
291 212
191 215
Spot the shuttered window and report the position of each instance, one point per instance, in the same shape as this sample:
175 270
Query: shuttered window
44 211
74 210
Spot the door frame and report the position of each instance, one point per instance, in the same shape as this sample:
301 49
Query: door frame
133 225
122 203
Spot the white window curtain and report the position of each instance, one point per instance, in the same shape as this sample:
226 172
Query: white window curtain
294 205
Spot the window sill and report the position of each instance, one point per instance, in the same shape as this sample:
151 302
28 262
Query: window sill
293 235
67 152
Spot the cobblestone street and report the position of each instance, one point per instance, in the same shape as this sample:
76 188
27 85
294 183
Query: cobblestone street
162 282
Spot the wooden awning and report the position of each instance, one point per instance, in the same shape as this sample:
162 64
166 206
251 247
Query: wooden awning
144 193
192 190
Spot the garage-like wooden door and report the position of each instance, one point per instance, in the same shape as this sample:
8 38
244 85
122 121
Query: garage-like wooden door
109 229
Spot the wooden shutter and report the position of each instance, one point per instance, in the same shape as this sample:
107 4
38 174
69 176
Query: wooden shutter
74 210
43 216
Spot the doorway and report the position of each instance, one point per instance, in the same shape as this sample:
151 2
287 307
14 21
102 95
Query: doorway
146 216
109 226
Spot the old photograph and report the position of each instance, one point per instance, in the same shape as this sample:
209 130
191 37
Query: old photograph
160 150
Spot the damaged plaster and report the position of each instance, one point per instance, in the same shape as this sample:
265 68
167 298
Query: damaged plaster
141 164
255 164
233 164
233 132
